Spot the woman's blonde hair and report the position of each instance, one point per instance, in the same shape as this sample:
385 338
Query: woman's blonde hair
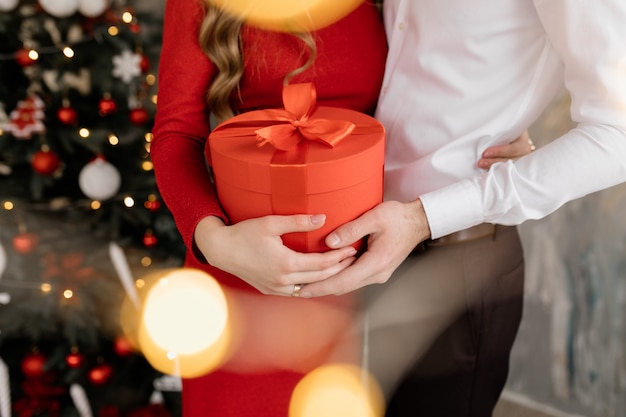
220 40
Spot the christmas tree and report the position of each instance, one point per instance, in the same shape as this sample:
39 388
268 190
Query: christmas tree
80 214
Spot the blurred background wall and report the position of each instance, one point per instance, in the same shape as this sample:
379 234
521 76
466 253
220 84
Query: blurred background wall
571 349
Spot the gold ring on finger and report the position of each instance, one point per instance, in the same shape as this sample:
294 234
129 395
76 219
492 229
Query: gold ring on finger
296 290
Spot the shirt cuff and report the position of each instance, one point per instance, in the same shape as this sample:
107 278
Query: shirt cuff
453 208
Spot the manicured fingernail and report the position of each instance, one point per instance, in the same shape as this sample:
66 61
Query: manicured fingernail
318 219
488 154
332 240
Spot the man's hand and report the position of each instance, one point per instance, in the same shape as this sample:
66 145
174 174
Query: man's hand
393 230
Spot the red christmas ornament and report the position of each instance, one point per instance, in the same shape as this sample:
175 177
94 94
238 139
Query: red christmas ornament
150 410
106 106
67 115
23 59
25 242
149 239
33 365
75 359
45 162
122 346
144 64
109 411
135 28
152 205
100 374
139 116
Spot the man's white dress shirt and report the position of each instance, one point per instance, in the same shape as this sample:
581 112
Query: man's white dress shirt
463 75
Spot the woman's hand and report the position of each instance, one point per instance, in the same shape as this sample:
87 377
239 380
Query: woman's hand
521 146
253 251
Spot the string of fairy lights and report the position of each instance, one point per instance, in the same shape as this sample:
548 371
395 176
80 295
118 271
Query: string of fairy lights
30 56
24 241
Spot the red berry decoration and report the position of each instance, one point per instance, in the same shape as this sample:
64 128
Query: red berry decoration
45 162
75 360
149 239
139 116
100 374
67 115
23 58
33 365
25 242
122 346
106 106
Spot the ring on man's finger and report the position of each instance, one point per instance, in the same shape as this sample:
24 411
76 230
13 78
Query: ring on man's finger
296 290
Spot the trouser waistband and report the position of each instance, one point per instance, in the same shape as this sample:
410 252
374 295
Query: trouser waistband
480 231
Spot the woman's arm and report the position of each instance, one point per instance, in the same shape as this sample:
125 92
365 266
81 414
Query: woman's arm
182 121
251 250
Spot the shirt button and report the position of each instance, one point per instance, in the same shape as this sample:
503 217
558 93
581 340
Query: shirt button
401 26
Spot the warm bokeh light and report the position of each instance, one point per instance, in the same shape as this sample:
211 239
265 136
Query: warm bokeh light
127 17
34 55
147 166
68 52
113 139
337 390
180 303
183 327
289 16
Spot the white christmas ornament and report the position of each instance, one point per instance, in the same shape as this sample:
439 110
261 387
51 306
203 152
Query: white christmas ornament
59 8
8 5
5 298
92 8
126 65
99 179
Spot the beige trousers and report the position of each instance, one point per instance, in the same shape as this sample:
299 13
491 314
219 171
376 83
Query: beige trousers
449 314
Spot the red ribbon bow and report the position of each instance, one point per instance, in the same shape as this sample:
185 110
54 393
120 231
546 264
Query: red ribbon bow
299 103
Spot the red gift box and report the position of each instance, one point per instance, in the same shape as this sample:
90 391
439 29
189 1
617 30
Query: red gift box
301 159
